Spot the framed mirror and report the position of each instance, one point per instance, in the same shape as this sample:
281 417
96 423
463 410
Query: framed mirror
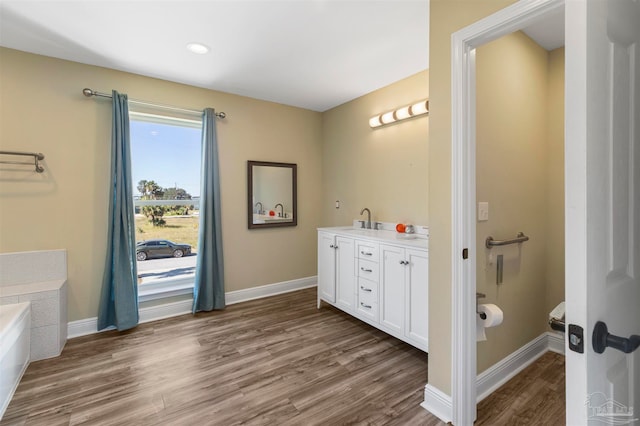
272 194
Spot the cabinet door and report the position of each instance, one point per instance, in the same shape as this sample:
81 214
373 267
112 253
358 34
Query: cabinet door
326 267
417 298
345 274
392 288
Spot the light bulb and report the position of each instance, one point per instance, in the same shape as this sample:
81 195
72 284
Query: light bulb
375 121
387 117
419 108
403 113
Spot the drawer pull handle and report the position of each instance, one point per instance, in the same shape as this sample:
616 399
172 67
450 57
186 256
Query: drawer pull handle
366 253
365 289
365 306
366 270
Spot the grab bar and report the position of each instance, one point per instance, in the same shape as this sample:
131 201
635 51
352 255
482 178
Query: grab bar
520 238
37 156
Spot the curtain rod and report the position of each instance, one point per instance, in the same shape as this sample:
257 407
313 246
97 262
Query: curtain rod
89 93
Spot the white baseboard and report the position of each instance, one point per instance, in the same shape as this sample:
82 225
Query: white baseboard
556 342
440 404
90 325
83 327
437 403
244 295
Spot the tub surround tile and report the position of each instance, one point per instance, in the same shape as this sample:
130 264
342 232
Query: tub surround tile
45 311
33 291
39 278
8 300
44 342
32 267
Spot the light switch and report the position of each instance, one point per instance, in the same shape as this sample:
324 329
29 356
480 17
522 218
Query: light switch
483 211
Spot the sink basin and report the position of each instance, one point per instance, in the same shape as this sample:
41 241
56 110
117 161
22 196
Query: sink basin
406 236
360 231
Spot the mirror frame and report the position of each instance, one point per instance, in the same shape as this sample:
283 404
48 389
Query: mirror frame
294 210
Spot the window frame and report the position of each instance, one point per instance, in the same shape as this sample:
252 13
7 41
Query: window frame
174 286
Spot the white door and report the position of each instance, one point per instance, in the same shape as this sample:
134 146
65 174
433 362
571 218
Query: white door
603 208
392 288
417 298
345 274
326 267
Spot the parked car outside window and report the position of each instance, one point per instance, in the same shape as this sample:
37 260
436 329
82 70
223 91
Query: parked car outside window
160 248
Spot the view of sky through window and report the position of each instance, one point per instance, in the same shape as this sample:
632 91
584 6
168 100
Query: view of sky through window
167 154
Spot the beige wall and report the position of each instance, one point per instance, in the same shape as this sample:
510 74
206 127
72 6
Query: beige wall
445 18
384 169
42 109
514 149
555 192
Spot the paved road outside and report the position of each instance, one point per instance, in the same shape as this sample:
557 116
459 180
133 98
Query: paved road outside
166 267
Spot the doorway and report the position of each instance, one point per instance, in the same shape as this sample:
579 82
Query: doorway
602 216
520 191
464 44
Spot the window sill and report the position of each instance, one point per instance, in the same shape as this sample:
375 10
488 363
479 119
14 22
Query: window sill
164 288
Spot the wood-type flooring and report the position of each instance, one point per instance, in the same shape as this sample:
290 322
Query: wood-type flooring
273 361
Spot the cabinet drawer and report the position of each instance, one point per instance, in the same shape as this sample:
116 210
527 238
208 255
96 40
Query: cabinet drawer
367 250
367 289
368 269
367 299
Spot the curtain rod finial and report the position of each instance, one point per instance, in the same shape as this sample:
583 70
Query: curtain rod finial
221 114
87 92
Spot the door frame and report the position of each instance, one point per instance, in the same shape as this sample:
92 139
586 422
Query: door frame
463 191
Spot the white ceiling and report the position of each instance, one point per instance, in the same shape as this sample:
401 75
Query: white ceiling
313 54
548 31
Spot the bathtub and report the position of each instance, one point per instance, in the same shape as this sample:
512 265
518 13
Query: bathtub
15 330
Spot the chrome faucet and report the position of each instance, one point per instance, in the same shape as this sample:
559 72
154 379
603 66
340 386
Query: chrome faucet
259 209
281 214
368 216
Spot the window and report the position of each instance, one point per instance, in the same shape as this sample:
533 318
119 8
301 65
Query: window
165 163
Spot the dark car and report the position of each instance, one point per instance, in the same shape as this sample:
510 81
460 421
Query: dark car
160 248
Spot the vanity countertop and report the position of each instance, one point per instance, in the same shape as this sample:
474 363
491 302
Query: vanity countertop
418 241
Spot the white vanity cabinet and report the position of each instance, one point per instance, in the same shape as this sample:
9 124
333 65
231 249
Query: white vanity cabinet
380 280
404 294
336 271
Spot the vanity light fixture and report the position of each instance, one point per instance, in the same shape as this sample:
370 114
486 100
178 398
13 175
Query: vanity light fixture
405 112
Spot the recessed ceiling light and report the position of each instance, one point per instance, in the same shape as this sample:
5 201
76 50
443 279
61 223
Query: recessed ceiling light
198 48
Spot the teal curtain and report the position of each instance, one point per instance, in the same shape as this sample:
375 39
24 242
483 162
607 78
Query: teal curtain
119 297
208 291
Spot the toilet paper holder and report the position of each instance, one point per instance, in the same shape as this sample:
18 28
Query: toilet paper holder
480 296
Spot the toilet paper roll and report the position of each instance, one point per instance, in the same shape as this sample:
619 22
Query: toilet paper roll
493 317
